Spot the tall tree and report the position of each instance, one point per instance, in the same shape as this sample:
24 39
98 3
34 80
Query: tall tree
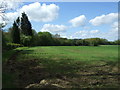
26 27
18 22
15 33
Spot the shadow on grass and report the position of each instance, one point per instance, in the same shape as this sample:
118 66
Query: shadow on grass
77 73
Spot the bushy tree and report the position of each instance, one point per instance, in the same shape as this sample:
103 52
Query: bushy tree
45 39
7 35
26 40
80 42
117 42
35 38
56 42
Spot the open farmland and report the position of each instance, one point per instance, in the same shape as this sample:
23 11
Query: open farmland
61 67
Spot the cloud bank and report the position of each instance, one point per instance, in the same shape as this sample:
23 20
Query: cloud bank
104 19
85 34
36 12
53 28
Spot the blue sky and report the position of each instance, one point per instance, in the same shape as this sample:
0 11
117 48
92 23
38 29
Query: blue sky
72 20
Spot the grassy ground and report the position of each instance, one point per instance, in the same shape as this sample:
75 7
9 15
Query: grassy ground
62 66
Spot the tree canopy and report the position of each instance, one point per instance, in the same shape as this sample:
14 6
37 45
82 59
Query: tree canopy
26 27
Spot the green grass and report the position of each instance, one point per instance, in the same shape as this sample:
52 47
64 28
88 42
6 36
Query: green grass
75 53
7 77
70 56
68 61
6 55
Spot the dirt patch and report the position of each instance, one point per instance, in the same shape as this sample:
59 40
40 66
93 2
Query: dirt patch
51 83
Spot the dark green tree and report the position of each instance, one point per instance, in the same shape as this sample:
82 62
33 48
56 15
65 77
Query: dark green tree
15 33
26 27
18 22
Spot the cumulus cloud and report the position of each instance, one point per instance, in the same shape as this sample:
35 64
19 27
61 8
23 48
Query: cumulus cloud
78 21
104 19
112 34
11 16
43 13
36 12
85 34
53 28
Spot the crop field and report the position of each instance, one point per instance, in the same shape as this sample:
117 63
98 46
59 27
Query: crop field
61 67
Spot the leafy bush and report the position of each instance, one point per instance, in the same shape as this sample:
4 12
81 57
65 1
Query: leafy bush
13 45
26 40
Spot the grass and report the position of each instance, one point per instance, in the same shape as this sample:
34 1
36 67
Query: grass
79 53
6 55
7 77
80 66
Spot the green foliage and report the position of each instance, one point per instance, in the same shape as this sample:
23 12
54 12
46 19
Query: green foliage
45 39
117 42
96 41
26 40
79 42
13 45
22 32
8 35
15 33
26 27
56 36
62 41
83 42
35 39
103 41
56 42
18 21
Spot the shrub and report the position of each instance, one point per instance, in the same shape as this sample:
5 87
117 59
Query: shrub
26 40
13 45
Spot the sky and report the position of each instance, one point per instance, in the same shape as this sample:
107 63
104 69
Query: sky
73 20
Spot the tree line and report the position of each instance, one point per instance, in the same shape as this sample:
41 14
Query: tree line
21 33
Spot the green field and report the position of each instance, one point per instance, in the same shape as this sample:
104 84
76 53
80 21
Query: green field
74 53
62 67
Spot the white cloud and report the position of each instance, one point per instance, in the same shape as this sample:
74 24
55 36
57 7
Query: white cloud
94 31
1 20
104 19
112 34
53 28
78 21
115 25
43 13
10 17
36 12
85 34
